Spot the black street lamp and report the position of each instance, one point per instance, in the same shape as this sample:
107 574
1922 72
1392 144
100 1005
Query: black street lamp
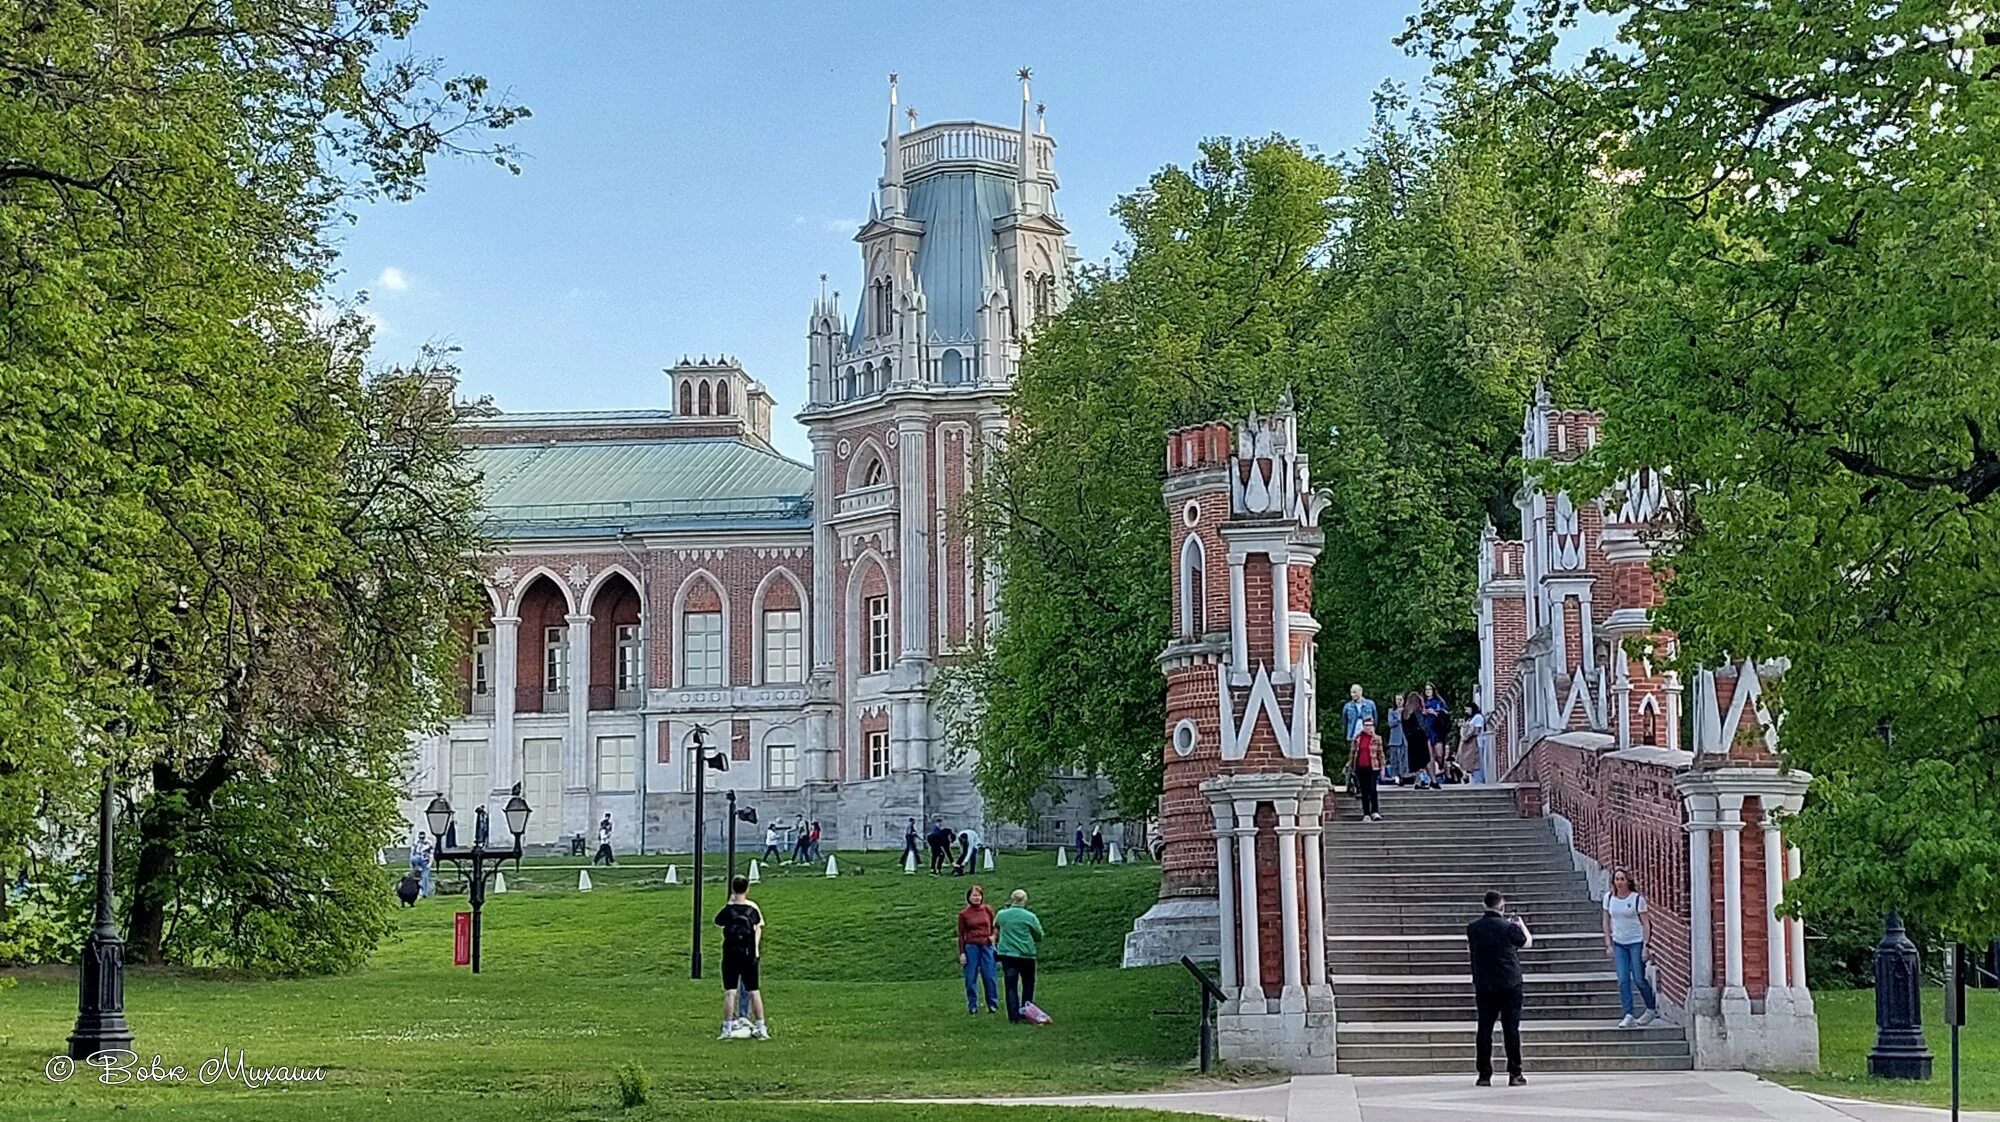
100 996
1899 1051
747 814
438 816
702 762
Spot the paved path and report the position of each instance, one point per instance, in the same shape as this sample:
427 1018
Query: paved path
1680 1096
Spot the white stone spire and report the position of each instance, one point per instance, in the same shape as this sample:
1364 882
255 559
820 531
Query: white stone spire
1023 194
892 161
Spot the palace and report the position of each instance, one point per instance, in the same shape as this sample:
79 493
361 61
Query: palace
663 570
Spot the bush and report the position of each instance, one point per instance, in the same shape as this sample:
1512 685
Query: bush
44 925
633 1085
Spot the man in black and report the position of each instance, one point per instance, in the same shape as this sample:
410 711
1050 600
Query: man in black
940 843
1496 940
742 946
910 842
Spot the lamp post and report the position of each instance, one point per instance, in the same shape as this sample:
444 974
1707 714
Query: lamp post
747 814
484 861
1899 1051
702 762
100 997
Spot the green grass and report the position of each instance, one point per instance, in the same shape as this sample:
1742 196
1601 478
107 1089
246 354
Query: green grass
1847 1032
860 977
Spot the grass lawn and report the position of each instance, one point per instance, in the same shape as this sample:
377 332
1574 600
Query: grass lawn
860 976
1847 1032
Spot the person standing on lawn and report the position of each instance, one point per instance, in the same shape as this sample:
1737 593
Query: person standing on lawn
940 842
773 839
1097 844
1079 843
977 935
909 842
742 924
420 862
1627 923
801 838
1496 940
1020 938
968 851
604 855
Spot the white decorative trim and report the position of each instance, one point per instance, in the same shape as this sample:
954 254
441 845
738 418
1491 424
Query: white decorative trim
678 640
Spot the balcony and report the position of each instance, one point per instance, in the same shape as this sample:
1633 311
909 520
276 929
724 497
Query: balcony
866 499
970 144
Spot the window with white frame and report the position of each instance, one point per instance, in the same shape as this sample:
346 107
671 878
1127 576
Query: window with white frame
628 675
781 759
617 763
701 649
555 660
784 645
878 754
878 634
482 662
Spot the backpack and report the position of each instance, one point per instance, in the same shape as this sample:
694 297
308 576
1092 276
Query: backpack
739 926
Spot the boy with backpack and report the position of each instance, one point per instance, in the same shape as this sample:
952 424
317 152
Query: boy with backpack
742 926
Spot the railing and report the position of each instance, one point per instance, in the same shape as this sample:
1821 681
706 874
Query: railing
969 141
688 510
868 498
532 699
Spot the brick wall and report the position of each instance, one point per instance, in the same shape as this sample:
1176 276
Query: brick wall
1626 813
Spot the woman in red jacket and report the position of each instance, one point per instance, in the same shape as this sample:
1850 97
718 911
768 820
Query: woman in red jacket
976 938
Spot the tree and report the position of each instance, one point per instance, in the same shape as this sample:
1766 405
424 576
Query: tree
179 535
1806 336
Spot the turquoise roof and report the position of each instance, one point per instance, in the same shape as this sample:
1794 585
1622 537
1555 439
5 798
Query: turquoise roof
596 487
958 210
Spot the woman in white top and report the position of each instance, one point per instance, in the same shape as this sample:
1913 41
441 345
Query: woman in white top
1627 922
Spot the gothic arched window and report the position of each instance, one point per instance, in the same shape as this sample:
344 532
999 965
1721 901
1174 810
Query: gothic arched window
1194 591
875 475
722 398
706 400
687 399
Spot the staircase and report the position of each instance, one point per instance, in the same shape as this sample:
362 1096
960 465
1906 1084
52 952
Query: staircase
1399 893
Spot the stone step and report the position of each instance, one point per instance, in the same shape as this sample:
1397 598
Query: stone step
1438 962
1459 984
1463 1033
1461 1064
1386 907
1589 1008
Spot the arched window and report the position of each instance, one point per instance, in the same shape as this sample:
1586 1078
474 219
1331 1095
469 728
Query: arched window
874 475
687 398
1194 591
952 368
847 386
706 400
868 378
722 398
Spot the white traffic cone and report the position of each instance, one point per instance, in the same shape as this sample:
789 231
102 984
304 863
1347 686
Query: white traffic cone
673 874
755 875
832 866
583 880
1062 857
909 864
988 865
1115 857
499 883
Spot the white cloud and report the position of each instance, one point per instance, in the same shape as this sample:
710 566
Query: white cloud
841 225
393 279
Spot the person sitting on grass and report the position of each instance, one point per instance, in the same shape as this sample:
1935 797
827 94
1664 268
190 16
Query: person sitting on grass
1020 938
742 926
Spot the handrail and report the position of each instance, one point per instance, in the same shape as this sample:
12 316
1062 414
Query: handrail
1211 994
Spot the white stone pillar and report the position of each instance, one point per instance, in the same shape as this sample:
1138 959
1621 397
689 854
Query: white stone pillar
1701 894
1252 993
1281 617
1314 835
1225 889
578 767
914 523
824 556
1294 994
506 656
1797 930
1731 825
1775 943
1239 631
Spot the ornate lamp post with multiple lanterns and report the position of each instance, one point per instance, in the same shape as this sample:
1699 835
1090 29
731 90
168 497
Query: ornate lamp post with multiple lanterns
485 862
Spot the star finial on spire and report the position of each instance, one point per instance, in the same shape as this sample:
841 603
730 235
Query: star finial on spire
911 113
892 77
1025 73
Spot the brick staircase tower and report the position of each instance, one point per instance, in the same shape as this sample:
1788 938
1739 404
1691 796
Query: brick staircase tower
1241 873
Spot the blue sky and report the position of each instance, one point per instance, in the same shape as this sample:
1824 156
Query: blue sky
691 168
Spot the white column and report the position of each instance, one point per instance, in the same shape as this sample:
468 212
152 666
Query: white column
506 648
1701 917
1313 834
1774 895
824 556
1796 928
1731 825
577 762
1239 637
1281 617
1288 896
1225 890
1246 895
914 519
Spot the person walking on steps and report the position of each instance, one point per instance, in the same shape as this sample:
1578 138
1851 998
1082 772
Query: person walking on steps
1358 706
976 938
1437 728
1627 923
1020 938
1472 742
742 926
1496 940
1367 767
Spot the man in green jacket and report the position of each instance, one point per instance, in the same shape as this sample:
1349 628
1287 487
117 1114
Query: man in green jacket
1020 936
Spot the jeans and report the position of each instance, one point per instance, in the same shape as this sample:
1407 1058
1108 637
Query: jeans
1364 781
1630 960
1504 1006
980 967
424 877
1020 983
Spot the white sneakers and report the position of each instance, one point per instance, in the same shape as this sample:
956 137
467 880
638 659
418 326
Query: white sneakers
744 1030
759 1032
1647 1018
1629 1022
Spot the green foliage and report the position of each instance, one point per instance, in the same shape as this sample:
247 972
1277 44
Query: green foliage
633 1085
227 553
1409 300
1805 337
37 928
